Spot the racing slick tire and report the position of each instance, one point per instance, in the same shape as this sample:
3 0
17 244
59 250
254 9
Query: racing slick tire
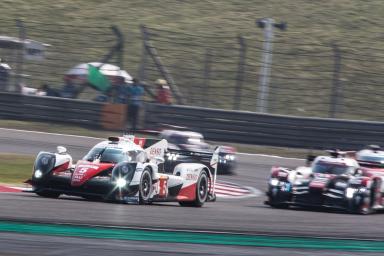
48 194
145 187
275 200
365 204
201 192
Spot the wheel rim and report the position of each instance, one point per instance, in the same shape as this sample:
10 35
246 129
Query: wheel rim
202 189
146 186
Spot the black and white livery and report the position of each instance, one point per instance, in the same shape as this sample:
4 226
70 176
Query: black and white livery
188 146
335 181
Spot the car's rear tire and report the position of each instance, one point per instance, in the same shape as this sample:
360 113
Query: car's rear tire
145 187
201 192
48 194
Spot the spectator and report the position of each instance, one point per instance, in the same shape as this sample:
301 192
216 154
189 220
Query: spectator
135 93
4 75
163 95
120 90
101 98
46 90
69 89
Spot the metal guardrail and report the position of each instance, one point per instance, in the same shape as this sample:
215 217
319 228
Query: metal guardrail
220 125
22 107
266 129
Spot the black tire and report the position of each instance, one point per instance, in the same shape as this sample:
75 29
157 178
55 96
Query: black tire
368 200
201 192
277 205
48 194
275 202
145 187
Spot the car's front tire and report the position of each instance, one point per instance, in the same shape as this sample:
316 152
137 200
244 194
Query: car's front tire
145 187
275 200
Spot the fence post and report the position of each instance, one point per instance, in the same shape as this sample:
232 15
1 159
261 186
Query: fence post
151 50
144 56
240 73
117 49
337 90
20 52
207 77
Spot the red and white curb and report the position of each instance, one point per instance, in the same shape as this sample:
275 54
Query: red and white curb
222 189
233 190
11 189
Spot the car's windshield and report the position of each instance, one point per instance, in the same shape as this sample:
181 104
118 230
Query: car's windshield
372 159
332 168
112 155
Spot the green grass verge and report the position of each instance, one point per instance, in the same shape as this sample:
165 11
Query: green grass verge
15 169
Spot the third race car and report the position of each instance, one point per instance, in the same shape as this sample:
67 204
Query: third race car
189 146
334 181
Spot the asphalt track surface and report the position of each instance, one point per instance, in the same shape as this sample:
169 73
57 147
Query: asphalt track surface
248 215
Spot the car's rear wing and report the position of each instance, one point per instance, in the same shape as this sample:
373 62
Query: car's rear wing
145 142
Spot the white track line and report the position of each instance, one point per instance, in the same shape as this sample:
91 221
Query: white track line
49 133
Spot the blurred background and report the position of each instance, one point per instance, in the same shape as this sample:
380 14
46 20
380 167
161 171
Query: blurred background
328 61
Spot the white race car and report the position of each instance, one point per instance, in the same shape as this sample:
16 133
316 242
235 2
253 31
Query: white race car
124 169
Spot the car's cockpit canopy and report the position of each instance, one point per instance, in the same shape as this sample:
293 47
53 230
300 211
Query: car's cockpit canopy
114 155
332 168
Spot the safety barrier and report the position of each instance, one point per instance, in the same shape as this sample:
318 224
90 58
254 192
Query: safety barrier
22 107
265 129
215 124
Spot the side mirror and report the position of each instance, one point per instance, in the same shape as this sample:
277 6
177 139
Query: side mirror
61 150
159 160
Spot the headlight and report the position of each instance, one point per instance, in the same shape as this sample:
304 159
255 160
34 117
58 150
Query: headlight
349 192
230 157
38 174
120 182
274 182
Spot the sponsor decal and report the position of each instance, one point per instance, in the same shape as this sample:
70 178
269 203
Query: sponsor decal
191 176
155 151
